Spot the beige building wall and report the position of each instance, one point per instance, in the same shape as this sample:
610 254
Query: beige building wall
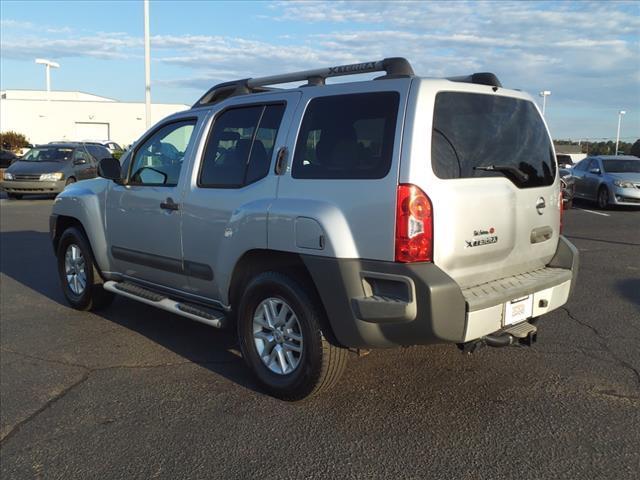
76 116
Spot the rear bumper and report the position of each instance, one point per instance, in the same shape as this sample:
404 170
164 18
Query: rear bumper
35 187
385 304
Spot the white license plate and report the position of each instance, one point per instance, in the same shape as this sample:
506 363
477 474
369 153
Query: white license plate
518 310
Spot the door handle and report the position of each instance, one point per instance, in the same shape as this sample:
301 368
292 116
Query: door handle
169 204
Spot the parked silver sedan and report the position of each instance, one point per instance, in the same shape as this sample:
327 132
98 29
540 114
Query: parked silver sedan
608 180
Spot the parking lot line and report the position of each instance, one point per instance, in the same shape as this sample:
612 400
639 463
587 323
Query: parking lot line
595 213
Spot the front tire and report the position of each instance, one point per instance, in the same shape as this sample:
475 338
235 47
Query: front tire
280 330
603 198
79 277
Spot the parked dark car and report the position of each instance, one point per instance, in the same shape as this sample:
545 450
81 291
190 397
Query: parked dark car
48 169
7 157
564 160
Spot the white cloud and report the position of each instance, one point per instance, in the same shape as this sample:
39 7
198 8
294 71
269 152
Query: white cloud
579 50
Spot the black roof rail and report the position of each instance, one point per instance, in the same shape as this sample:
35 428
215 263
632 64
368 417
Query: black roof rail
480 78
394 67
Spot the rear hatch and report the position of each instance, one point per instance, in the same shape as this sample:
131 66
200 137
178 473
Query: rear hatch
491 177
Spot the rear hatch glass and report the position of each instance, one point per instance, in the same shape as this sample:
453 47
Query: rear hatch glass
474 133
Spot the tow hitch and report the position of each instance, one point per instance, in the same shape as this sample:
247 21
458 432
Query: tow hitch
524 334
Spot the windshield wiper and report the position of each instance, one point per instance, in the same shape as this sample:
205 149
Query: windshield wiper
515 171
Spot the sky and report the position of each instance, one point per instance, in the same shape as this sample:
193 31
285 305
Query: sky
586 53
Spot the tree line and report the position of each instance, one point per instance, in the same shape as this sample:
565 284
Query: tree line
605 148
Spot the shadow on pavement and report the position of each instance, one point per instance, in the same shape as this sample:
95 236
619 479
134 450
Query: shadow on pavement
27 258
629 288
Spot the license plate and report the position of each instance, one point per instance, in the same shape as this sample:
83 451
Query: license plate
518 310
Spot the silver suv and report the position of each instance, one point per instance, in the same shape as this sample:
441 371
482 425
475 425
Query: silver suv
331 218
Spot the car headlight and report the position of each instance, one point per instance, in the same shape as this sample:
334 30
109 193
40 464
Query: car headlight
623 184
51 177
7 176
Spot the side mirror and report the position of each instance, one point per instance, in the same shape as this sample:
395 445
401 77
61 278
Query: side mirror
595 171
79 161
110 169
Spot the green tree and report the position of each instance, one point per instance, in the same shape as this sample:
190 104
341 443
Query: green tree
635 148
13 140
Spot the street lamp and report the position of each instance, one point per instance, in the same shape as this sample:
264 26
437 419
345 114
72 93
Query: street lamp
620 114
147 66
48 64
544 94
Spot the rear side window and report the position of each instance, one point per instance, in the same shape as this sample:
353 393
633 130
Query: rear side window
240 146
473 130
98 152
347 136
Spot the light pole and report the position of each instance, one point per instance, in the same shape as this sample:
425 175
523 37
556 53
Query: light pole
544 94
147 66
620 114
48 64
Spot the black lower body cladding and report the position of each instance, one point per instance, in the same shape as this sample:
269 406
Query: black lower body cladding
385 304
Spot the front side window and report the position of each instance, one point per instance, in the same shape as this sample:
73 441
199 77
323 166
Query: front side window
479 135
240 146
159 159
347 137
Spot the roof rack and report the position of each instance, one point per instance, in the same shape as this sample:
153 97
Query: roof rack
395 67
481 78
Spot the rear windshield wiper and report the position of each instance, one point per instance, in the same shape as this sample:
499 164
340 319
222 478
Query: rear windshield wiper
515 171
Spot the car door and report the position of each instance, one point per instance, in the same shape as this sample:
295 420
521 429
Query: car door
143 215
591 179
232 187
578 173
82 164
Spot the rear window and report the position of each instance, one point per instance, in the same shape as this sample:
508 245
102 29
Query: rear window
472 130
347 136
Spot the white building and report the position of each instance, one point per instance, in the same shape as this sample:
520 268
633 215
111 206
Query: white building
76 116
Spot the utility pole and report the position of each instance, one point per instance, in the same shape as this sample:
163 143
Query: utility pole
147 66
544 94
48 65
620 114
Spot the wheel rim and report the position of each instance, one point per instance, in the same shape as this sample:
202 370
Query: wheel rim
277 336
74 269
603 198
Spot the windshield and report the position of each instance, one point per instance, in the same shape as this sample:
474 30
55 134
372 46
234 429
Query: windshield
48 154
621 166
478 135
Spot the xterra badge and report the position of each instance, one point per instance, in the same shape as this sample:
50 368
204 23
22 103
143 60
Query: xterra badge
482 237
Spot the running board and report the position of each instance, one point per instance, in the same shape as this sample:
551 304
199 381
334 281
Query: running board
161 301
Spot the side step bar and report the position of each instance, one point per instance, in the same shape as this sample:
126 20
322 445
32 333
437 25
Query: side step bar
158 300
521 334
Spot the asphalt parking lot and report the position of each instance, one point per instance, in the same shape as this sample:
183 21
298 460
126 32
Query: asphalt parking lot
134 392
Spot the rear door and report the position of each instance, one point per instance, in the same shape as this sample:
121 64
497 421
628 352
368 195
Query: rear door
231 188
487 224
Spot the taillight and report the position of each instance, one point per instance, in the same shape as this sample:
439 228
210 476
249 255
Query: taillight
414 225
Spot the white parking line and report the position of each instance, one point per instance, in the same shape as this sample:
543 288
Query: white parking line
595 213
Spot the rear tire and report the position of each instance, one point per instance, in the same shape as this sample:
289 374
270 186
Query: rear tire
280 331
603 198
79 277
